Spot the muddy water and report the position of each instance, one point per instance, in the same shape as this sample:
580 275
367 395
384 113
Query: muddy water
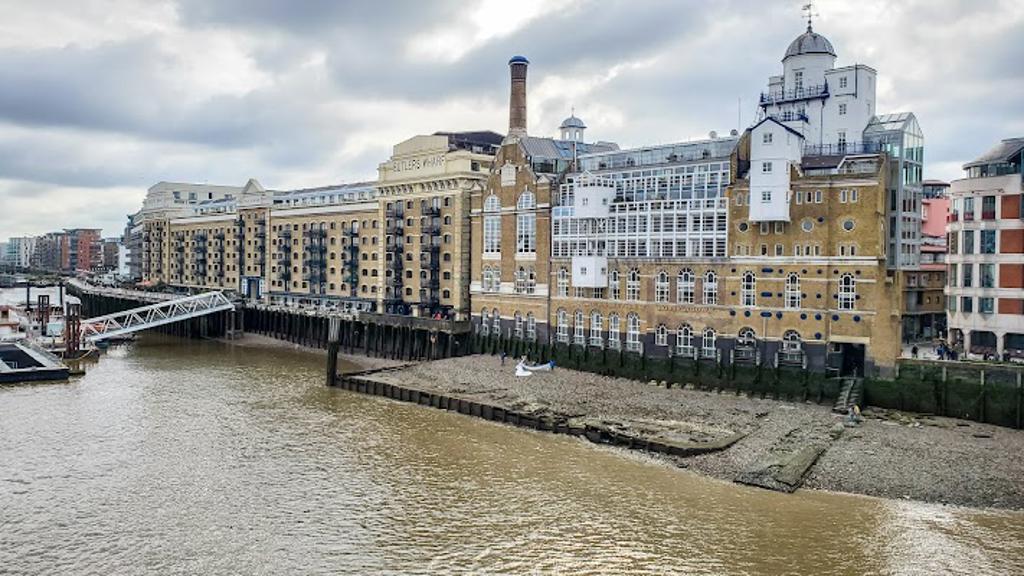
175 457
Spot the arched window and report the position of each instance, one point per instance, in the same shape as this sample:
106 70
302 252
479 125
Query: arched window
595 329
685 282
519 324
633 332
562 330
661 335
485 322
791 342
847 292
527 201
746 338
633 285
748 289
496 326
578 335
708 344
661 286
792 293
492 225
531 280
521 280
684 341
710 288
614 332
496 279
613 285
563 282
526 224
531 327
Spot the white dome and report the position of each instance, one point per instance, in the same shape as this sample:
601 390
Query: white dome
810 42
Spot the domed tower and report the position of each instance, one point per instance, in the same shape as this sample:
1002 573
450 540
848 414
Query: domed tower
572 128
807 59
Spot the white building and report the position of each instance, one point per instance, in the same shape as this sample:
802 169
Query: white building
19 251
813 116
985 280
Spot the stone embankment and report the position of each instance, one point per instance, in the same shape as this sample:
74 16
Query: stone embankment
768 443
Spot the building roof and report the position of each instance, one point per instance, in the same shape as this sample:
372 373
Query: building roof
562 149
810 42
572 122
482 141
1005 151
935 183
517 59
776 121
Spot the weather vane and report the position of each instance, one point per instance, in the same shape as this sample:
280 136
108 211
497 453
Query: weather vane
809 8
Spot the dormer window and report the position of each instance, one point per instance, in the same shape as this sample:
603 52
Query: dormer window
766 138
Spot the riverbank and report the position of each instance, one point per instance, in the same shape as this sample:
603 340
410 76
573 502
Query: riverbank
888 455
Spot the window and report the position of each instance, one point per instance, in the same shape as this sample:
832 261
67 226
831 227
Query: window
661 285
798 80
780 227
562 329
748 287
595 329
563 282
968 241
986 305
779 250
847 292
633 285
842 81
764 227
614 340
526 224
492 225
988 208
968 275
613 285
766 138
792 346
807 225
792 293
488 278
987 273
531 280
531 327
842 109
841 140
578 337
684 341
766 167
707 349
685 282
766 196
853 195
842 196
633 333
496 326
848 224
966 304
710 288
518 325
988 241
485 322
661 335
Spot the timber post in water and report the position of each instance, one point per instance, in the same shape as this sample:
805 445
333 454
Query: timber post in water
333 343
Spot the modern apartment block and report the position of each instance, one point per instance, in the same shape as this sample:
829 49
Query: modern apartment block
985 288
19 251
924 300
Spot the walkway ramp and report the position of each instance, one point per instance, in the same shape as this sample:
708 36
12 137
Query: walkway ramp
146 317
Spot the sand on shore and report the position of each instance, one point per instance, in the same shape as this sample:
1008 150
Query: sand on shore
889 455
346 362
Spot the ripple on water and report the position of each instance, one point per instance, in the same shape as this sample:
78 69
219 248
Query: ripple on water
174 457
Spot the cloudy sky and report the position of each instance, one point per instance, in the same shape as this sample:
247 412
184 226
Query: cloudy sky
99 99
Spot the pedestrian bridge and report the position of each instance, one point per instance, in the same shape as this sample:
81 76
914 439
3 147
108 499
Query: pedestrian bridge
146 317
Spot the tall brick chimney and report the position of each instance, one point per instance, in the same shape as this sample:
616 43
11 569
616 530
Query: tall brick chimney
517 98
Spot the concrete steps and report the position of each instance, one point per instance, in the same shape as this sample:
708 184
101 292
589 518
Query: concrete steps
850 393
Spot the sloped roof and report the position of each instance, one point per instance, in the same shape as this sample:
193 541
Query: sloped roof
1005 151
810 42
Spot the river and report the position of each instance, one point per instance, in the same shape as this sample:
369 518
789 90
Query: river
183 457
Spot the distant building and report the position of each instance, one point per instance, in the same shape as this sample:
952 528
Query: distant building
49 252
934 189
985 288
110 254
81 250
924 300
19 251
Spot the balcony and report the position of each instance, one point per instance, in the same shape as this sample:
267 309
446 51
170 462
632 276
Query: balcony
790 116
794 94
842 149
432 229
988 215
432 211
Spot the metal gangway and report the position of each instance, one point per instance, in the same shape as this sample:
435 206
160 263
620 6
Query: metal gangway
146 317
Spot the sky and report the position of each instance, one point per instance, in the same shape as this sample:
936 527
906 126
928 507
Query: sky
100 99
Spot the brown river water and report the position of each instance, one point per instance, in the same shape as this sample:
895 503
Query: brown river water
185 457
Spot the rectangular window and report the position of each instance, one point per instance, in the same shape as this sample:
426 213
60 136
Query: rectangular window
967 304
988 241
817 197
968 275
841 140
526 233
842 109
968 241
853 195
842 81
842 196
780 227
492 234
766 167
986 305
988 208
987 274
766 196
778 250
766 138
764 228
